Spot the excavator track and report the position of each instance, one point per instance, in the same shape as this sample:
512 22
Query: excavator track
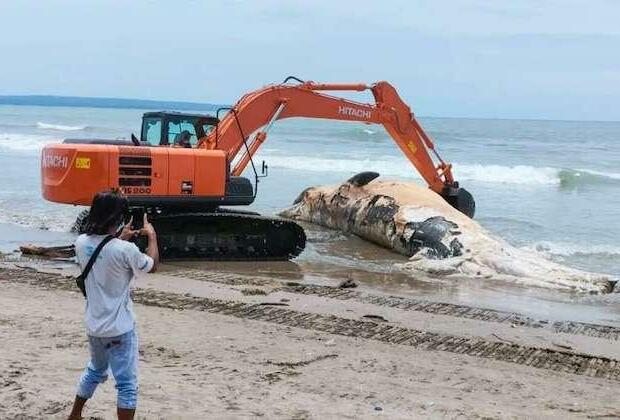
224 235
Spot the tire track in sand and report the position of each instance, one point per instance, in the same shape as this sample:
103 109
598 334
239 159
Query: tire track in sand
542 358
411 304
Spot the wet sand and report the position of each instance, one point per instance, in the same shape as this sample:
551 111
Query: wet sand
331 257
234 342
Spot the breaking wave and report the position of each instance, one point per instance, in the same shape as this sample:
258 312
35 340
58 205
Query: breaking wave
574 177
43 218
519 174
60 127
23 142
498 174
565 249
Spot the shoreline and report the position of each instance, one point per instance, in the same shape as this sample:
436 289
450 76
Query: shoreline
227 345
13 236
328 266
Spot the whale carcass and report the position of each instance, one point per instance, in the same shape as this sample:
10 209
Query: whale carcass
439 240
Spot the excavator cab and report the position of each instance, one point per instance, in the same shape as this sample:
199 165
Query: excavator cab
175 128
162 169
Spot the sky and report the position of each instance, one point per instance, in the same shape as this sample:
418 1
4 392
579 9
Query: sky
540 59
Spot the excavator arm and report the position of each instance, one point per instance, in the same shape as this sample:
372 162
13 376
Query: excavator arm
255 112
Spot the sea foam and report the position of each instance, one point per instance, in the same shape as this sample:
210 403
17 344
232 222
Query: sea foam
60 127
401 168
23 142
567 249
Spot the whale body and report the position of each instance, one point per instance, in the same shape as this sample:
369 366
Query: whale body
438 239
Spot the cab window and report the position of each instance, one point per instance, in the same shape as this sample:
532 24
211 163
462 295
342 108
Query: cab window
206 128
181 132
152 131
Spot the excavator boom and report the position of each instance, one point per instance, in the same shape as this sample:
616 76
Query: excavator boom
259 109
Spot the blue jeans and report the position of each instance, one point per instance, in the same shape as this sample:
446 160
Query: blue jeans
118 354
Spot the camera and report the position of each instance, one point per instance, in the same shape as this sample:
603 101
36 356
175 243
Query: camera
137 218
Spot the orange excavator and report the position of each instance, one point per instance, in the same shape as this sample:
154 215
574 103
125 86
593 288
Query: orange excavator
185 167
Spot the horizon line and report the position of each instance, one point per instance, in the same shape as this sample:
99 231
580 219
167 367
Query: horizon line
187 105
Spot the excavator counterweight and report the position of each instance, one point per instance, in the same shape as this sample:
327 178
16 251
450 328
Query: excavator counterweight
185 167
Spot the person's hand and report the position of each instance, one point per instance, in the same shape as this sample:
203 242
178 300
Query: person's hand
128 233
147 229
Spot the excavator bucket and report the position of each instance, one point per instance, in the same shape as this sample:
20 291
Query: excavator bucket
460 199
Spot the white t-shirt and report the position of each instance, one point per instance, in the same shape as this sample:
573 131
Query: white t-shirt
109 309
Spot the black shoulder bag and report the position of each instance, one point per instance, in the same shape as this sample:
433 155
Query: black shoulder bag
80 280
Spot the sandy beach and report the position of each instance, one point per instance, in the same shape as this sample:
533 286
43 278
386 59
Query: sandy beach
222 345
354 210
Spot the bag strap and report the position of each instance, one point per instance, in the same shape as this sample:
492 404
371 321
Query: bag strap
92 260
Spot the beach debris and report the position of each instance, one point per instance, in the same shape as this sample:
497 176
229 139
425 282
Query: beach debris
273 304
302 362
289 368
427 405
503 339
66 251
273 377
347 284
439 240
253 291
26 267
293 284
373 317
563 346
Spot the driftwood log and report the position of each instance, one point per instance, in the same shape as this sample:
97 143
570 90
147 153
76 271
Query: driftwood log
67 251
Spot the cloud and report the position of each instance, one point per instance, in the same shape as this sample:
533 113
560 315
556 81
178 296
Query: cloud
545 58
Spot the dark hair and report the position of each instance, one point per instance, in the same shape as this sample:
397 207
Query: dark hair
108 210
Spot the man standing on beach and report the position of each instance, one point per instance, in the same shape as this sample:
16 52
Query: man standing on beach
109 317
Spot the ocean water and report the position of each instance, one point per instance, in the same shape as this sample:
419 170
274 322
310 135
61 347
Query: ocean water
550 186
